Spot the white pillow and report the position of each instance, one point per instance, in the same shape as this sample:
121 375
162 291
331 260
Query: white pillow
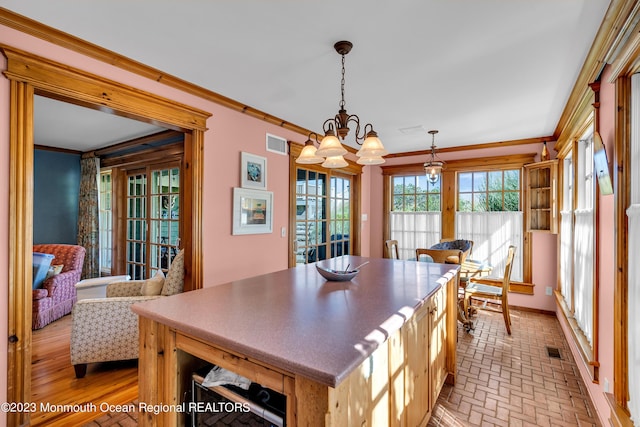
153 286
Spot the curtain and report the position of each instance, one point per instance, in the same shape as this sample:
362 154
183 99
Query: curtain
583 273
492 233
566 254
583 240
414 230
88 215
633 215
566 233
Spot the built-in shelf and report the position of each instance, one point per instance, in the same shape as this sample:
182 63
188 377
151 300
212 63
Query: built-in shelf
540 197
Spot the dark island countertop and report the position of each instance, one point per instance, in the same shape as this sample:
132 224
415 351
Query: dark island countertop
297 321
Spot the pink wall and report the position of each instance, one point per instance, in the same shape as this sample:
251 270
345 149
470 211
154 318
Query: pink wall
606 238
544 245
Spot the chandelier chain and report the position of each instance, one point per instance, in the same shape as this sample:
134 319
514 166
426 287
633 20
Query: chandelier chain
342 103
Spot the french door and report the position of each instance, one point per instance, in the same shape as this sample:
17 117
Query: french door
152 219
323 215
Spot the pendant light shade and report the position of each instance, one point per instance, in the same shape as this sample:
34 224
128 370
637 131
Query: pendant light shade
433 168
370 161
308 154
372 147
330 146
335 162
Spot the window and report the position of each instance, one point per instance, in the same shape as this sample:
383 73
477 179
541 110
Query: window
633 239
579 299
583 241
415 214
478 199
105 220
566 229
492 191
489 213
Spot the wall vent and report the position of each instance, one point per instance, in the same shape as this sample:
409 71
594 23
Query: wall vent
554 352
276 144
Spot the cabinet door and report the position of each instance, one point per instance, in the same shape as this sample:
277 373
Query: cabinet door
417 383
438 341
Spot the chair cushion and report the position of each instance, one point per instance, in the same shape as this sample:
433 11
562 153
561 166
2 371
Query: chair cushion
154 285
478 288
425 258
463 245
54 270
452 260
174 281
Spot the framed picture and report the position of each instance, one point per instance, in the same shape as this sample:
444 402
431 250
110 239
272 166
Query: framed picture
253 171
252 211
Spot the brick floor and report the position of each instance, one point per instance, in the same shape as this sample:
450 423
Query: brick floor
120 419
502 380
511 380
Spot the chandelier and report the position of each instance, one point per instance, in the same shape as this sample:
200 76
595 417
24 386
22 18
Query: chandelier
330 151
433 167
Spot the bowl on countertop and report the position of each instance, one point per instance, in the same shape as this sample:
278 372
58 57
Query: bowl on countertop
336 275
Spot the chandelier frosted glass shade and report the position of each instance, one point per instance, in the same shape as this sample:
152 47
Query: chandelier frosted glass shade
370 161
335 162
372 147
308 154
330 146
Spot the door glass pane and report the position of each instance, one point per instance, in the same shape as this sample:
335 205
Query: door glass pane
166 192
340 216
310 216
106 222
153 225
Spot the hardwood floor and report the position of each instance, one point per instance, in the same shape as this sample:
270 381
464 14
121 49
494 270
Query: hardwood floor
53 380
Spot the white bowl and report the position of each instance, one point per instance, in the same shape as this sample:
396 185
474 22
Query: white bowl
336 275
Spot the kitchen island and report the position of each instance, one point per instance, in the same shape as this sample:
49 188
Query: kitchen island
376 349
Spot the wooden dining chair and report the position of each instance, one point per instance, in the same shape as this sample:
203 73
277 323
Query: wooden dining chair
497 293
392 249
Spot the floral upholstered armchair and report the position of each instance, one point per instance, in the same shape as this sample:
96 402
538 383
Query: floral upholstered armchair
56 295
105 329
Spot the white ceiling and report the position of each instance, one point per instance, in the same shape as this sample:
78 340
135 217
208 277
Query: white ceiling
478 70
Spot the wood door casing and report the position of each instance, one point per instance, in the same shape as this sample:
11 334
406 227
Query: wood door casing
28 75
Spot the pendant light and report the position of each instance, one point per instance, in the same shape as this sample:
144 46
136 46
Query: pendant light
433 167
331 150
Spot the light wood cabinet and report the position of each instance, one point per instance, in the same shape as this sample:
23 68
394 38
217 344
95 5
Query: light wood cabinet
417 383
437 345
541 204
425 370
